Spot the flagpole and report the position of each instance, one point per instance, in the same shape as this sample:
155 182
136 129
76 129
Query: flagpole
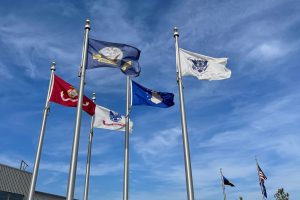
262 193
188 168
88 161
223 186
126 146
73 163
41 139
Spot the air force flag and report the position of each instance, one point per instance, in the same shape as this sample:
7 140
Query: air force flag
144 96
203 67
115 55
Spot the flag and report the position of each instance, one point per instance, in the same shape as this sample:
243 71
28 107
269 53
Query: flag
203 67
115 55
264 191
262 178
144 96
227 182
108 119
65 94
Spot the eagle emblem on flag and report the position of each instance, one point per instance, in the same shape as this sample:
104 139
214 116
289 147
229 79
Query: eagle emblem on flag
72 93
199 65
114 116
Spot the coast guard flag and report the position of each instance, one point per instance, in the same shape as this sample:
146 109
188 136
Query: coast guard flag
144 96
65 94
108 119
203 67
115 55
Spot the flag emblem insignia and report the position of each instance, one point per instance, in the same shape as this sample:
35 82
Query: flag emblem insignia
72 93
155 97
109 55
199 65
114 116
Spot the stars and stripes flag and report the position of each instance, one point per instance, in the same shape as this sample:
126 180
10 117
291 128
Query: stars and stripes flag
262 176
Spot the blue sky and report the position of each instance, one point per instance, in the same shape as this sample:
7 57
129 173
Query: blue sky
229 122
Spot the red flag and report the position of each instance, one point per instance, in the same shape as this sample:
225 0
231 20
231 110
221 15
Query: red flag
65 94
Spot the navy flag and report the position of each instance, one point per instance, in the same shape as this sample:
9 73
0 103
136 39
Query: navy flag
144 96
227 182
115 55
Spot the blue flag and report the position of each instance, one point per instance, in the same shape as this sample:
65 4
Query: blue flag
115 55
144 96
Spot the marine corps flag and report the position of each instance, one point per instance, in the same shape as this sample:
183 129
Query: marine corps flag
115 55
65 94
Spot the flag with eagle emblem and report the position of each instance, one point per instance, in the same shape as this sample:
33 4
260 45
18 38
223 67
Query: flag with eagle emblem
203 67
65 94
109 119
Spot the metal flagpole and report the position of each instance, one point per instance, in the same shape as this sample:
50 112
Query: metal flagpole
126 146
88 161
41 139
262 192
188 168
223 186
73 163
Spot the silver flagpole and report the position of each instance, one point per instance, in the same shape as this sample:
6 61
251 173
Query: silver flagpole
73 163
41 139
88 161
262 192
186 148
126 146
223 186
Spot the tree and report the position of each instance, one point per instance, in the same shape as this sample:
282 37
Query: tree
281 195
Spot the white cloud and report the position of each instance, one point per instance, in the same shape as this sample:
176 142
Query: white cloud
161 142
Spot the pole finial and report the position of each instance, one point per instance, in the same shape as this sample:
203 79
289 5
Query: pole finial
176 32
53 66
94 96
87 24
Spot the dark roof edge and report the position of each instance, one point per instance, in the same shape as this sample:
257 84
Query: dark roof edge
16 169
54 195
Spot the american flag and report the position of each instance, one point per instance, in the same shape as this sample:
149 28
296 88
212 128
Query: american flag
262 176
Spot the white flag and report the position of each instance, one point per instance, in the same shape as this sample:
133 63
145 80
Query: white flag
108 119
203 67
